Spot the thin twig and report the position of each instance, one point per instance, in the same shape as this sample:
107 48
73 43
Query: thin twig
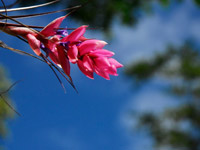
54 73
31 26
70 81
41 14
6 14
20 23
10 106
29 7
41 27
33 29
6 91
3 45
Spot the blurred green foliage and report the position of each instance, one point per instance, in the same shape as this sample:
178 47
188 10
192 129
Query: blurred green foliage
175 63
186 64
101 13
197 2
5 112
143 70
177 127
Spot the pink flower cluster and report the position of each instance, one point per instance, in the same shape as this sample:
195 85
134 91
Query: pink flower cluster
63 48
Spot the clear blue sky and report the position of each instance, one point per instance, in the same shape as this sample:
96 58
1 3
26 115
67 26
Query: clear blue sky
96 117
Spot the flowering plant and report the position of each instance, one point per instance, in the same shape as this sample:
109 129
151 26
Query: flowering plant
63 48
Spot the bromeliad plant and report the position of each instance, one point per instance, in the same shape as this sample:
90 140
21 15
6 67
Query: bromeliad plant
63 48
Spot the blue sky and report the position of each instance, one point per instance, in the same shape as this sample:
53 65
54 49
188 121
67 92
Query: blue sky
96 118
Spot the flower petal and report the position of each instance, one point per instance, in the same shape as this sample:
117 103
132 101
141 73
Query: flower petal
115 63
112 70
49 30
85 71
72 54
90 45
101 53
63 60
102 62
82 38
34 43
88 63
76 34
102 73
54 57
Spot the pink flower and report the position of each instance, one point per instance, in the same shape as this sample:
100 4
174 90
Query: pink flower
75 48
89 54
93 58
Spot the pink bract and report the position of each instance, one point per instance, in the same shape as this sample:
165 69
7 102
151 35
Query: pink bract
93 58
89 54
